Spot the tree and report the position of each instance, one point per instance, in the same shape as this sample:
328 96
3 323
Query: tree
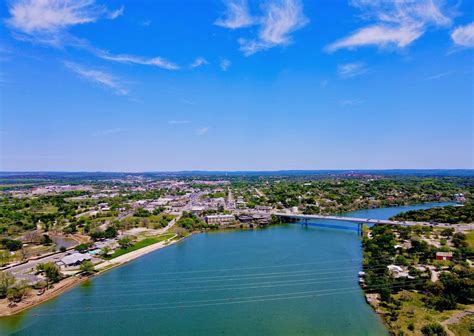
447 232
51 271
11 244
433 329
125 242
105 251
87 267
46 240
82 247
4 257
17 292
6 280
459 240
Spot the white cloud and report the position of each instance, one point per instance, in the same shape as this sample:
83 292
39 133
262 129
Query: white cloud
438 76
464 36
108 131
225 64
187 101
47 19
98 77
202 131
396 23
131 59
178 122
278 20
236 15
115 13
378 35
349 70
199 62
351 102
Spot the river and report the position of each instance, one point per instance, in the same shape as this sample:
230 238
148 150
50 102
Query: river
282 280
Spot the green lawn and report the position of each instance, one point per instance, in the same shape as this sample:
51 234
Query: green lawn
141 244
470 238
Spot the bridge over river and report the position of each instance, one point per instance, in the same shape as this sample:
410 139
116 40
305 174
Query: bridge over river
457 227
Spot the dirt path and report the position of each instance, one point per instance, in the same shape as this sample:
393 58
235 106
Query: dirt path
455 319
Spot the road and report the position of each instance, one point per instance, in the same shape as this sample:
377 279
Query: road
31 265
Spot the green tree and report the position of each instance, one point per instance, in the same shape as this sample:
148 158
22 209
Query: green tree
4 257
87 267
433 329
18 291
51 271
125 242
6 280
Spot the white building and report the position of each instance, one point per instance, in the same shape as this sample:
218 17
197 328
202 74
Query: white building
220 219
75 259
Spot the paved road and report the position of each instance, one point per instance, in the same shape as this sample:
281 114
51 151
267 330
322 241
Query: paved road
23 268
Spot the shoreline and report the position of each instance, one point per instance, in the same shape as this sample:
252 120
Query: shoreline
72 281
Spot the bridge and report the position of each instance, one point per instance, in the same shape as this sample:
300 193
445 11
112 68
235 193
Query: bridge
457 227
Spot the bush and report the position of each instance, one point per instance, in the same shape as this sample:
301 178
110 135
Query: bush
433 329
82 247
11 244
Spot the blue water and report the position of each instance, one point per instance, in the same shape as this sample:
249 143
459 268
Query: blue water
283 280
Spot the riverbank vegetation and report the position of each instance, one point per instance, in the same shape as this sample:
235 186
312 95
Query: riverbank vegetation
413 287
448 214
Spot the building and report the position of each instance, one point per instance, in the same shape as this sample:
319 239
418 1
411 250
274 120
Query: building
220 219
74 259
444 255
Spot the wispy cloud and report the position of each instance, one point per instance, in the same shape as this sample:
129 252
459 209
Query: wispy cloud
350 70
225 64
464 36
108 131
131 59
178 122
277 21
236 15
202 131
351 102
199 61
187 101
98 77
116 13
438 76
47 21
145 23
395 23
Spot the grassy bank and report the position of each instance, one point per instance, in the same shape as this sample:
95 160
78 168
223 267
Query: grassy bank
141 244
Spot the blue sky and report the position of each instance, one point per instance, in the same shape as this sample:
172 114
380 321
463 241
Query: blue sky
236 85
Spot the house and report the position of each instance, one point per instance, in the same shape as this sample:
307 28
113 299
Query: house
75 259
220 219
398 272
444 255
245 218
